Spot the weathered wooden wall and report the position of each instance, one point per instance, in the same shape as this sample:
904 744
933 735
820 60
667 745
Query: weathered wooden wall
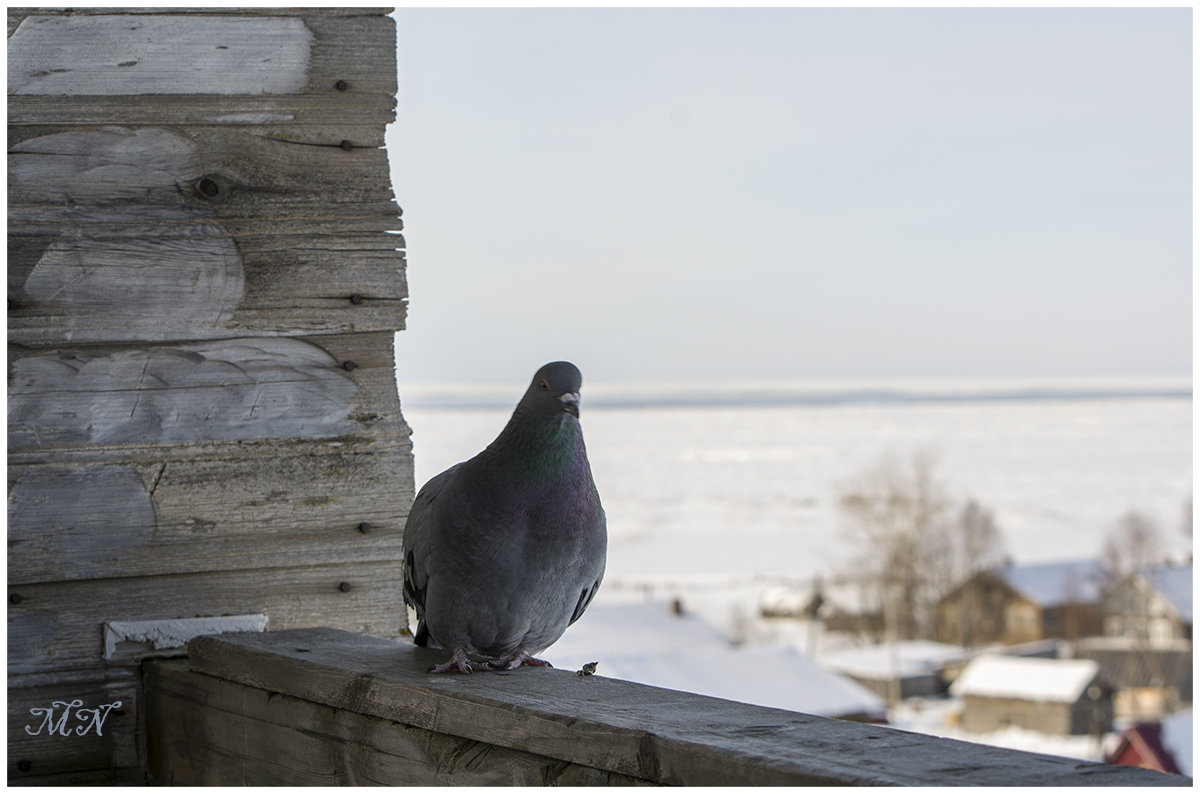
321 706
204 280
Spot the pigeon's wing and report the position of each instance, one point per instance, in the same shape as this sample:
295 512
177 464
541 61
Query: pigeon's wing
585 598
599 535
420 532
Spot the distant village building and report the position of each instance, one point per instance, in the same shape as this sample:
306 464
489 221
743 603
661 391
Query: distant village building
1142 745
840 607
1154 604
1151 680
1056 696
1016 604
900 670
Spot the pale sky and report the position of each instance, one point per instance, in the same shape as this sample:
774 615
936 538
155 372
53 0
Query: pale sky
726 194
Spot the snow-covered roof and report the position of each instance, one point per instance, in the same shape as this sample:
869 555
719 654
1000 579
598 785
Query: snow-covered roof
1174 583
644 642
1040 680
1051 584
904 659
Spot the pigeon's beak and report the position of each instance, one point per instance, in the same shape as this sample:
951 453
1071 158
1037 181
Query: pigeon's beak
570 402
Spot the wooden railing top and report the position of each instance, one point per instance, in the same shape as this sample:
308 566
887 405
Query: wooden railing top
643 732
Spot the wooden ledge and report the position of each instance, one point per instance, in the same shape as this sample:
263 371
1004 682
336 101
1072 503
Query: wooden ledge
558 726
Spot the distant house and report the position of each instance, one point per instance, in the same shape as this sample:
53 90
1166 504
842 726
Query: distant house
1016 604
1056 696
840 607
1154 604
912 668
1142 745
1151 679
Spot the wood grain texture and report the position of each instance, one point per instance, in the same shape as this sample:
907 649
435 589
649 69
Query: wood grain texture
69 523
227 390
123 54
643 732
119 233
200 391
216 53
200 727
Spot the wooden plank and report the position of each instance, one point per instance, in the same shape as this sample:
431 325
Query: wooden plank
645 732
340 505
326 106
204 731
147 233
356 11
58 626
219 391
87 751
120 54
231 54
287 286
153 168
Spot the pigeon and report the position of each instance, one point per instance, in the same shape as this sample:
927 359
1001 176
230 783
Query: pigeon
503 551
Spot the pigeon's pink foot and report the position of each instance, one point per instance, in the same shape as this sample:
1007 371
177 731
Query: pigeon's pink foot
460 662
521 657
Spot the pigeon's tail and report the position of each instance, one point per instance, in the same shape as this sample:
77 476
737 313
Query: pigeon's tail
422 636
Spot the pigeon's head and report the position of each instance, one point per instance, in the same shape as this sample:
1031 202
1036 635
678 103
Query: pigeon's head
554 388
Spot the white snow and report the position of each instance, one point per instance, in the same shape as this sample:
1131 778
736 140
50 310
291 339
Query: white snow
903 659
1042 680
644 642
939 717
174 632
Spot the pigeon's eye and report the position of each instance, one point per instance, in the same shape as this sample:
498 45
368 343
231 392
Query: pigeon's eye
544 386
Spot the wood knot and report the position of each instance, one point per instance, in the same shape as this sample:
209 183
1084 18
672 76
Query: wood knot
212 187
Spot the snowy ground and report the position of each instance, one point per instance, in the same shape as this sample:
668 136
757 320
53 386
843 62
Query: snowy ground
939 717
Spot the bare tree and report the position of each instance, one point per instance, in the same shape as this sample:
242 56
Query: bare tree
1185 522
979 546
1133 543
897 519
980 542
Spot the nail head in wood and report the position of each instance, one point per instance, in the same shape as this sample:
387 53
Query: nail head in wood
24 765
349 366
356 299
347 146
341 85
364 528
15 598
344 587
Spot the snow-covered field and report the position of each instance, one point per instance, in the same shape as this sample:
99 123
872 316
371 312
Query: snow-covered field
726 496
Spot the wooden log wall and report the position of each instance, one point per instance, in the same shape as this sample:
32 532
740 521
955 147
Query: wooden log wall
205 276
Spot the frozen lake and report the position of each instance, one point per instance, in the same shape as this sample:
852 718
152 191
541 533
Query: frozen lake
721 488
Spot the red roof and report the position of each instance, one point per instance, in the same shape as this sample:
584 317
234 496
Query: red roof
1142 746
